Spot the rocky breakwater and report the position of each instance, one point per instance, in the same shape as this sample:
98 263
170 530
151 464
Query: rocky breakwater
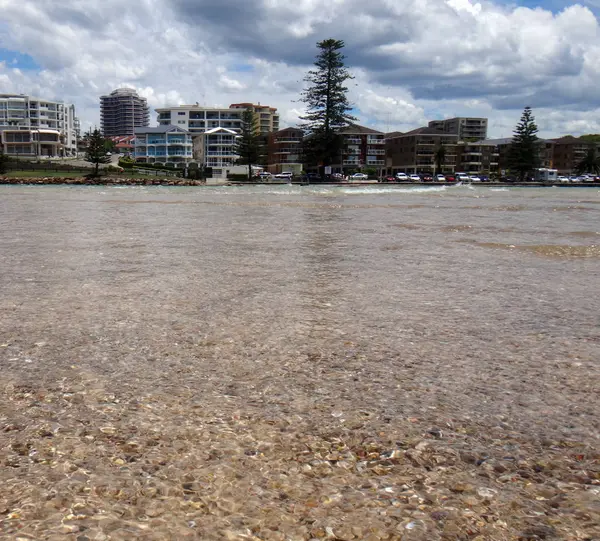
103 181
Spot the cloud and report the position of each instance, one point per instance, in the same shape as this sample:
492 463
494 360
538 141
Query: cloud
411 59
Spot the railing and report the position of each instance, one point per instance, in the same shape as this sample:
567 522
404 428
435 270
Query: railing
375 151
375 162
375 141
353 140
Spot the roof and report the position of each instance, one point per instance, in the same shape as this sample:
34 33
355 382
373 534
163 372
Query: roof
501 141
159 129
426 130
352 129
567 139
287 129
393 134
220 130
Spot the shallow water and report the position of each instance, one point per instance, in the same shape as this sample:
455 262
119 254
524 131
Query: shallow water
321 308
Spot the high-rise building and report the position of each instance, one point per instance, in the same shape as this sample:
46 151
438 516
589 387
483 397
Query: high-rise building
31 126
122 111
465 128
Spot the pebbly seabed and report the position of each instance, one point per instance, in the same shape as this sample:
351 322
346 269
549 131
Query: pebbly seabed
291 363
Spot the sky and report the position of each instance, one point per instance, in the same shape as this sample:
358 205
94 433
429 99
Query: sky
412 60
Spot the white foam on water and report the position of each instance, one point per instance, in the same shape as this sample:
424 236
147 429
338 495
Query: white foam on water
499 190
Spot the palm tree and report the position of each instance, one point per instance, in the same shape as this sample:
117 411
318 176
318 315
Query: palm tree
590 162
440 158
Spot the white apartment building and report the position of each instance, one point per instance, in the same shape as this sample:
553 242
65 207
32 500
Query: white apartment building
32 127
215 129
168 145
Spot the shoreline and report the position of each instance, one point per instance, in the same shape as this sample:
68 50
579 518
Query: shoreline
117 181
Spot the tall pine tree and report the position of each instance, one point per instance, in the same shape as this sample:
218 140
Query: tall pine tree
96 150
249 145
327 104
524 153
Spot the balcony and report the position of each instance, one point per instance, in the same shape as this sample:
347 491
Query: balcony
375 151
375 162
353 140
288 141
350 162
375 140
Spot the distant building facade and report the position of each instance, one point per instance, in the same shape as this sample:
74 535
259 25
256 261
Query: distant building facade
31 126
122 111
267 117
567 152
362 147
168 145
464 127
414 151
284 150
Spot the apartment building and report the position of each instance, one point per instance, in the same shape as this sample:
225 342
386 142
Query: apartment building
285 150
567 152
466 128
122 111
267 117
414 151
362 147
546 149
477 157
168 145
31 127
198 120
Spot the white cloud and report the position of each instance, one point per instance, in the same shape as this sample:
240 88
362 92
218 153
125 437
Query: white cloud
412 60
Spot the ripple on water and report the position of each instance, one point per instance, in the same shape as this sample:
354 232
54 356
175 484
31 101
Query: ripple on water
560 251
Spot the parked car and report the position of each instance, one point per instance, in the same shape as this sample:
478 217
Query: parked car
442 178
337 176
359 176
402 177
474 178
462 177
484 178
562 178
426 177
388 178
285 174
450 178
264 175
415 178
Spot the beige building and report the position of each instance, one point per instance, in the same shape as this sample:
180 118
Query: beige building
464 127
267 117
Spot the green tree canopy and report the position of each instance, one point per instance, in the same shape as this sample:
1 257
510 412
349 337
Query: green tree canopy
524 152
249 145
3 162
96 150
328 108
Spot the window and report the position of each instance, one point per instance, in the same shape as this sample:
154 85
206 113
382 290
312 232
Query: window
181 122
181 113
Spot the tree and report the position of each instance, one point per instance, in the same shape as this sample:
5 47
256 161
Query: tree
524 149
440 158
3 162
249 146
590 162
96 150
327 104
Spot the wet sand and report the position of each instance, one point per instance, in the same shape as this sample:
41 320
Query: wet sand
296 363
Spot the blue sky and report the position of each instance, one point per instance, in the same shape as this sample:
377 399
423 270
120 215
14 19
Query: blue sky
15 59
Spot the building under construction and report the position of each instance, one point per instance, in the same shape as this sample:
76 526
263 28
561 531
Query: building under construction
122 111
